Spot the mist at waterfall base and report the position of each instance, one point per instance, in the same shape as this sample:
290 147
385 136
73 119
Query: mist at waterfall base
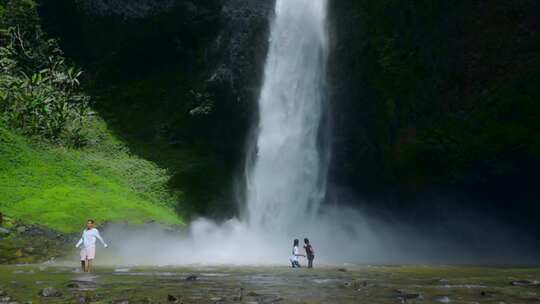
340 235
286 183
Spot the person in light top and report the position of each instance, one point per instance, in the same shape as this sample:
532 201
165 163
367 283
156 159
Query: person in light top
88 242
295 254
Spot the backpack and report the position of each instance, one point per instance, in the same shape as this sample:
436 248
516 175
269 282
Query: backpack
310 250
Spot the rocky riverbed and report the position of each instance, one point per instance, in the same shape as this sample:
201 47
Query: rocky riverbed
48 283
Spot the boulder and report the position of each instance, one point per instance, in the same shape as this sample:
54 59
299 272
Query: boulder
4 231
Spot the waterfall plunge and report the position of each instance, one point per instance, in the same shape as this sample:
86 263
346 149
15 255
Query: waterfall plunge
286 180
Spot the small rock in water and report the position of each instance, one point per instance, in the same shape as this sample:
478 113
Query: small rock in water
191 278
524 283
4 231
122 270
5 299
50 292
342 269
252 294
405 296
270 300
121 302
21 229
444 299
2 293
240 296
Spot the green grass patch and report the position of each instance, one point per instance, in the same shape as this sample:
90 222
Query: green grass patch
60 188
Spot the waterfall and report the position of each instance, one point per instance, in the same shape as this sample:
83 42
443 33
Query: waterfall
286 181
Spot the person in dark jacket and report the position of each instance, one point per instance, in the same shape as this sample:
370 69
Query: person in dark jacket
310 252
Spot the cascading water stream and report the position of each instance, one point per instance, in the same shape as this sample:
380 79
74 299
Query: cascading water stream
286 181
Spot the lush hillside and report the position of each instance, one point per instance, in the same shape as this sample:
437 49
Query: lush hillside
60 188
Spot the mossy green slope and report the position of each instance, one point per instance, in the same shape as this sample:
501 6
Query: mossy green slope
60 188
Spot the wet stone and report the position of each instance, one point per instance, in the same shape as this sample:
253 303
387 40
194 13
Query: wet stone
270 300
50 292
443 299
524 283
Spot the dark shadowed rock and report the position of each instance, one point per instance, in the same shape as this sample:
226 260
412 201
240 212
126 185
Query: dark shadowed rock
270 300
404 297
191 278
172 299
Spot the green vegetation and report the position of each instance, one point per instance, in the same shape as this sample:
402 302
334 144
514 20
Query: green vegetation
39 91
448 90
61 187
59 161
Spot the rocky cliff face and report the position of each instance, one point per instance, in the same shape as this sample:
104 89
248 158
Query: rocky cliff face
219 46
242 43
135 9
